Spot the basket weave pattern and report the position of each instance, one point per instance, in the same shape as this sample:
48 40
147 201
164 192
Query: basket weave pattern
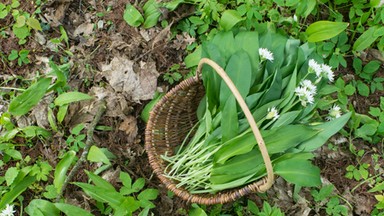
169 123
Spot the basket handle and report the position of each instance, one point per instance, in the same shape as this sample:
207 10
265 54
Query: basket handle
248 115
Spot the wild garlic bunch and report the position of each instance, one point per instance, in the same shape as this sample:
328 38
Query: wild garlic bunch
279 80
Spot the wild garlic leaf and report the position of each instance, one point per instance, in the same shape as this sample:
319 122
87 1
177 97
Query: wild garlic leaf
299 172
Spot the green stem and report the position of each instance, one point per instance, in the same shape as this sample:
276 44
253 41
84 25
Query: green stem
363 182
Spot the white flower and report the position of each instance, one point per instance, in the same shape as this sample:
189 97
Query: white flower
307 84
327 72
306 92
295 18
265 54
381 3
334 113
314 67
8 211
272 114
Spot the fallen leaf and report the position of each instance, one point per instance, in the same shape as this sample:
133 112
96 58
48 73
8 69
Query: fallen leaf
40 112
84 29
117 105
129 126
134 86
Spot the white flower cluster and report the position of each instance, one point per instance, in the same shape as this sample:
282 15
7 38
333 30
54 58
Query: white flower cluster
306 92
272 114
333 113
265 54
322 70
8 211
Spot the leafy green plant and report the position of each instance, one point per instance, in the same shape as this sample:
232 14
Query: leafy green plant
173 75
151 14
357 173
23 21
224 153
331 203
21 56
76 140
130 198
44 207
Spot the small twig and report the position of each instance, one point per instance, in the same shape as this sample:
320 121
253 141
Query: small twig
101 109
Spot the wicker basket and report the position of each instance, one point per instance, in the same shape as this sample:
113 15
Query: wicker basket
174 116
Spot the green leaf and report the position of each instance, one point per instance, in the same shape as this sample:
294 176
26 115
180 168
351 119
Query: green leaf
193 59
229 19
323 30
21 104
19 188
70 97
299 172
327 130
374 111
96 155
13 55
349 90
71 210
41 207
366 39
62 113
3 11
236 146
281 139
34 23
239 70
132 16
229 126
357 65
148 108
61 169
196 211
378 188
13 154
252 207
10 175
249 42
151 13
22 32
100 182
323 193
172 5
20 21
148 194
113 198
371 67
139 184
126 179
363 89
286 119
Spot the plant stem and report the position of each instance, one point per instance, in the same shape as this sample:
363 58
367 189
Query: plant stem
100 111
365 181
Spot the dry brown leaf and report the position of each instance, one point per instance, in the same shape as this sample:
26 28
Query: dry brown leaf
40 112
134 86
85 29
129 126
117 105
